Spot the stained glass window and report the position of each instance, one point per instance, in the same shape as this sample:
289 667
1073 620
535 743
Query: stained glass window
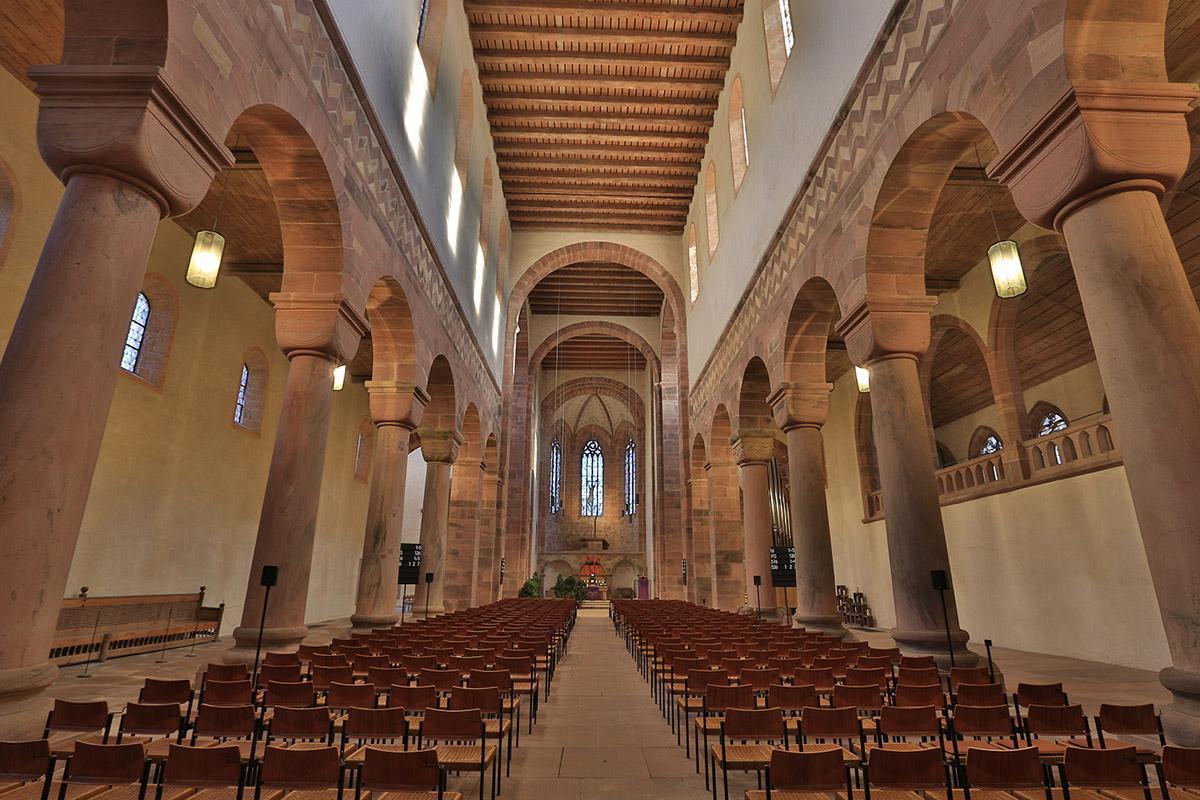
591 485
1052 422
630 479
785 16
239 408
991 444
555 477
137 332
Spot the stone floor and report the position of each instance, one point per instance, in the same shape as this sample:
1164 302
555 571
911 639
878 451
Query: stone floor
600 734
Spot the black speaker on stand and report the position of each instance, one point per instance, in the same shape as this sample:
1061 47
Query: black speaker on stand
758 594
270 577
428 584
941 583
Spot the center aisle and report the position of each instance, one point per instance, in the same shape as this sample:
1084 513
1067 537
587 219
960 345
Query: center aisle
600 735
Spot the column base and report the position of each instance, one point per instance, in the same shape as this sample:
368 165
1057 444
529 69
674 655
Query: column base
933 643
365 622
23 704
1181 719
275 640
766 612
824 624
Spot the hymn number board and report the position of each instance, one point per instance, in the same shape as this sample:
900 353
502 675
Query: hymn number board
410 564
783 566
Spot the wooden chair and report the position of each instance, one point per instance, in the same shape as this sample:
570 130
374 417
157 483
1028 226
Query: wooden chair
236 725
907 774
156 725
909 728
292 726
327 660
413 699
805 775
381 728
226 693
969 676
324 677
923 662
867 699
1037 694
1115 773
317 772
524 680
464 664
281 659
1051 729
792 700
904 695
158 690
296 695
26 769
502 680
1019 772
747 737
980 727
225 672
985 694
1179 768
820 677
691 700
72 721
344 696
1138 720
874 676
833 726
107 766
307 651
918 676
454 735
718 700
412 775
487 699
760 678
387 676
283 673
201 768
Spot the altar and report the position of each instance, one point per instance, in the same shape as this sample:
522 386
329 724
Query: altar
595 578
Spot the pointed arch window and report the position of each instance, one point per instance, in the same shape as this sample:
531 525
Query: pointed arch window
693 263
591 484
631 498
239 408
555 477
1048 419
777 24
136 334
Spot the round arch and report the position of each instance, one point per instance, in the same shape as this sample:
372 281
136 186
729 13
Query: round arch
627 335
813 314
393 345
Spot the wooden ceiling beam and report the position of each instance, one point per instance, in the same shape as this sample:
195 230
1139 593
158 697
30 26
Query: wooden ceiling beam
555 101
492 57
597 179
597 226
536 131
522 156
570 81
551 115
597 218
554 35
634 204
622 151
613 10
523 191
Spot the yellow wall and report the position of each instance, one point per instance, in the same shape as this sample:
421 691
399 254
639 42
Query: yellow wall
178 488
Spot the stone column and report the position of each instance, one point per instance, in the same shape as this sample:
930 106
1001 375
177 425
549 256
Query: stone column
462 536
725 525
487 564
800 412
316 334
103 135
753 452
440 449
1096 168
700 562
396 409
888 337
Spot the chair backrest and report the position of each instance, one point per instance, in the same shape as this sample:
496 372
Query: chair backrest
499 678
445 725
987 694
351 695
297 695
994 768
792 698
697 679
413 698
325 677
924 768
815 770
892 654
302 723
758 724
24 761
157 690
108 763
281 659
152 719
400 771
870 662
967 676
918 676
760 678
225 722
363 661
464 664
375 724
830 723
1181 766
203 766
909 721
1056 721
719 699
982 721
865 698
905 695
1100 768
226 693
68 715
328 660
484 698
386 676
303 768
517 666
821 677
1132 720
1040 694
873 676
226 672
307 651
925 662
443 679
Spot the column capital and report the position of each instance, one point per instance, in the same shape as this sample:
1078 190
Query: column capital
316 324
887 328
1101 137
126 121
800 405
396 403
440 447
753 447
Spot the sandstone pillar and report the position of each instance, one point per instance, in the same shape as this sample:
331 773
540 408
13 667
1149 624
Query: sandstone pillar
725 525
315 335
700 562
440 450
800 412
487 564
462 533
105 137
396 410
1095 168
888 338
752 453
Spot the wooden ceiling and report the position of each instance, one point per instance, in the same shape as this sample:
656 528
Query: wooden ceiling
594 353
600 111
959 383
1183 41
596 288
31 32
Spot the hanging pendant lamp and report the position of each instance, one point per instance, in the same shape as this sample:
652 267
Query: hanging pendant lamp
339 377
863 376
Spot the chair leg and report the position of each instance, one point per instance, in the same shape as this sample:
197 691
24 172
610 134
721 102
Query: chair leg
725 779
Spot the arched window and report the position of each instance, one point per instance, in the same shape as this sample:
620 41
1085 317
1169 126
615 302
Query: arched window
136 335
693 263
555 477
630 479
252 391
239 407
739 139
466 127
945 458
1046 419
777 25
710 208
985 442
591 484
